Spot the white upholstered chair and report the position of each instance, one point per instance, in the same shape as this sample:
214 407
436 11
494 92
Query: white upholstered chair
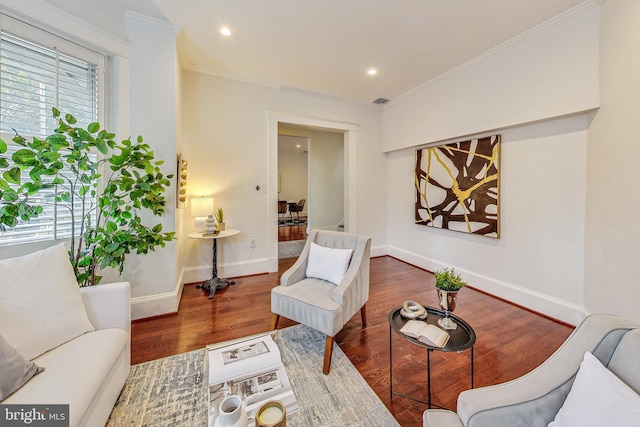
534 399
318 303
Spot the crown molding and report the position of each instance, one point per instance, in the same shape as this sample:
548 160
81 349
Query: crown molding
66 25
230 76
141 20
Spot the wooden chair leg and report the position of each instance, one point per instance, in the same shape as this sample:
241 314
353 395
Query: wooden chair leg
363 315
274 321
328 352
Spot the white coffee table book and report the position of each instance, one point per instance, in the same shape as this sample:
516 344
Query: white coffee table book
251 368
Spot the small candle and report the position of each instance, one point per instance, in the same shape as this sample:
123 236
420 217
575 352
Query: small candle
270 415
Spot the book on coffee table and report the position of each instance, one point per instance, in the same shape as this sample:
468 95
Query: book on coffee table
252 369
426 333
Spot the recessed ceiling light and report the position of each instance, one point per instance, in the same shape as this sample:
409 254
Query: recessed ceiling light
372 71
225 31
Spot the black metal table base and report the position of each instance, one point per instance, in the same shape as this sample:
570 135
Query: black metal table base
214 284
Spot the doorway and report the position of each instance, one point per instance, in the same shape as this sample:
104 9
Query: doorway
348 133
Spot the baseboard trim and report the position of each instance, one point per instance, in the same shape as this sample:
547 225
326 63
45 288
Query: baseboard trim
158 304
165 303
552 307
168 302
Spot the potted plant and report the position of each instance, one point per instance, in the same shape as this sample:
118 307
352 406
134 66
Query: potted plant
448 283
109 224
219 215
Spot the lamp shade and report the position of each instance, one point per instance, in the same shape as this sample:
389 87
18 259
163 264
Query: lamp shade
201 206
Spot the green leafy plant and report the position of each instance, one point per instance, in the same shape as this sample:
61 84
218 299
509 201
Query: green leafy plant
219 215
110 228
448 280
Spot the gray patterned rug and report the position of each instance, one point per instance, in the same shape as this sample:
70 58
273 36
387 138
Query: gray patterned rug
173 391
290 249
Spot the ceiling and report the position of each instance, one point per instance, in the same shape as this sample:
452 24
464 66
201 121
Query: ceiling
326 46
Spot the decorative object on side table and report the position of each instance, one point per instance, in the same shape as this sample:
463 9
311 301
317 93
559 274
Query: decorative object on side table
203 207
413 310
448 283
220 226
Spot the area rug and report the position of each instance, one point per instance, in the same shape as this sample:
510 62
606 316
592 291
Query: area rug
173 391
290 249
292 222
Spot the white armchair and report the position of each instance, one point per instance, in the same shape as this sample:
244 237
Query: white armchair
535 398
318 303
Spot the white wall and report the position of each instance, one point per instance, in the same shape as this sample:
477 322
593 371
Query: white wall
538 260
612 274
293 169
326 192
521 91
548 72
154 277
226 123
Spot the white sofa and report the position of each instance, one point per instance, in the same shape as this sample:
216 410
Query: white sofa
88 371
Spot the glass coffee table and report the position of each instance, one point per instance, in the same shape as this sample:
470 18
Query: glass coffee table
461 338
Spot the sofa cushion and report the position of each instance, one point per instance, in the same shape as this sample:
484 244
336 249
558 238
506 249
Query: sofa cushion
328 264
75 372
41 306
15 370
598 398
309 302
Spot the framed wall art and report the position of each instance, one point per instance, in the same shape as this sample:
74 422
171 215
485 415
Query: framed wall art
458 186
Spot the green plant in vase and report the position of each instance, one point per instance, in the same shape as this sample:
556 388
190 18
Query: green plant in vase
448 283
219 216
108 224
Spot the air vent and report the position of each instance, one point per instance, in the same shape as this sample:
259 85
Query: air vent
380 101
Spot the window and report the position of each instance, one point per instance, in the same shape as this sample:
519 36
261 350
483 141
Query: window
40 71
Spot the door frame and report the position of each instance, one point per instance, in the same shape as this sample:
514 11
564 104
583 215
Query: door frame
350 135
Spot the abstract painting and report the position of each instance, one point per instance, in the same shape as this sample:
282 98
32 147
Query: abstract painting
458 186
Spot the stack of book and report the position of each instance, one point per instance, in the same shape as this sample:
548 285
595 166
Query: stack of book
252 369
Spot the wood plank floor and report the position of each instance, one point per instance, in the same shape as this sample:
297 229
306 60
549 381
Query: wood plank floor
292 232
510 340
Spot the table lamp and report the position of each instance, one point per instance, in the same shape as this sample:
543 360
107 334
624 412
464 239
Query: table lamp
203 207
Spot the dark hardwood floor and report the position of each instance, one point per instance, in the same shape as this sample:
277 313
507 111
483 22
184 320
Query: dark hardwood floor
292 232
510 340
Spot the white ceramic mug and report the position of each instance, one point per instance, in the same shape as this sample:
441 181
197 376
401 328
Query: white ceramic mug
231 413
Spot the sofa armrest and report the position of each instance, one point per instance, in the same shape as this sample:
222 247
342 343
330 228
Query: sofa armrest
353 291
535 398
298 271
440 418
108 305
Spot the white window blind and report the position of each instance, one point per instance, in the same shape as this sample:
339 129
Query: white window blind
34 78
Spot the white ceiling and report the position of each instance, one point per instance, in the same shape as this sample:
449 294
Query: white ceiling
326 46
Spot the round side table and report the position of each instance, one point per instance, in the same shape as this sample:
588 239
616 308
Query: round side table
462 338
